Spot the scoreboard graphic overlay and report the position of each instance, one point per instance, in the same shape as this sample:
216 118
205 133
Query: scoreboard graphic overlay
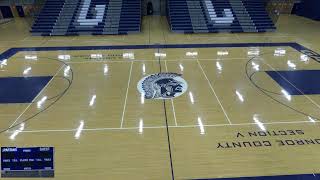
27 162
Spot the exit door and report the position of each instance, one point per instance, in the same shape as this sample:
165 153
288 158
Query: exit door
6 11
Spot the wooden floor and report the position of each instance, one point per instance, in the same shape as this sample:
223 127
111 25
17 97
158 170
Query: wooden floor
234 120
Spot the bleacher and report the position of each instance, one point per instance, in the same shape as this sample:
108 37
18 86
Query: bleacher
90 17
203 16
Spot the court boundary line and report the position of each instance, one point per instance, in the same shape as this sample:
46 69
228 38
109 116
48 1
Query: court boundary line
12 51
137 60
126 97
162 127
32 102
214 92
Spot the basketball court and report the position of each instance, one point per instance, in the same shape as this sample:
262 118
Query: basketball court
243 110
160 89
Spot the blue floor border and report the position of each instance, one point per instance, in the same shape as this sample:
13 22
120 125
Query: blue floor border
314 55
279 177
12 51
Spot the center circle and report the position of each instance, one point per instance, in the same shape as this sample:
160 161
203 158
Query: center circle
162 86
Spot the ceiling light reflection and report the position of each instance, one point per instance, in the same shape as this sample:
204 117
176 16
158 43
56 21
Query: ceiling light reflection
96 56
16 132
200 124
222 53
279 52
142 97
26 71
93 100
64 57
129 55
255 66
191 97
79 130
105 69
160 54
66 71
31 57
304 58
291 64
258 122
192 53
3 63
311 119
181 67
143 68
219 66
140 126
239 96
253 52
286 94
41 101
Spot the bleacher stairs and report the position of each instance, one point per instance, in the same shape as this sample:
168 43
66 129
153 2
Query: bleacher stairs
202 16
90 17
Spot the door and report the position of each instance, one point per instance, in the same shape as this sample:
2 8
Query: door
20 11
6 11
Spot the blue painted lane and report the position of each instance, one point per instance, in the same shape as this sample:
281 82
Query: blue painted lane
298 82
21 89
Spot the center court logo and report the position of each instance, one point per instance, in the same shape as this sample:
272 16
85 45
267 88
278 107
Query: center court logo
162 86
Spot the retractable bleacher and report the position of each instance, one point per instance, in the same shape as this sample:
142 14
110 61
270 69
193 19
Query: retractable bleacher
89 17
204 16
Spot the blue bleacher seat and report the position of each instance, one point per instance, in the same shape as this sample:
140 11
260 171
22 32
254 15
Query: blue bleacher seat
92 17
203 16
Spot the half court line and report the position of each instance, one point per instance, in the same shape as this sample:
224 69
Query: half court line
167 125
172 104
36 96
214 92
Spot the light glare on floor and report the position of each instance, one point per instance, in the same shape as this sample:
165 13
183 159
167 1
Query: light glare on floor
31 57
286 94
79 129
92 101
64 57
181 67
219 66
26 71
291 64
191 97
202 131
140 126
16 132
105 69
3 63
258 122
255 66
66 71
239 96
41 101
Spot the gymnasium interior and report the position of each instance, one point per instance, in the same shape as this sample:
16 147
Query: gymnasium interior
160 89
